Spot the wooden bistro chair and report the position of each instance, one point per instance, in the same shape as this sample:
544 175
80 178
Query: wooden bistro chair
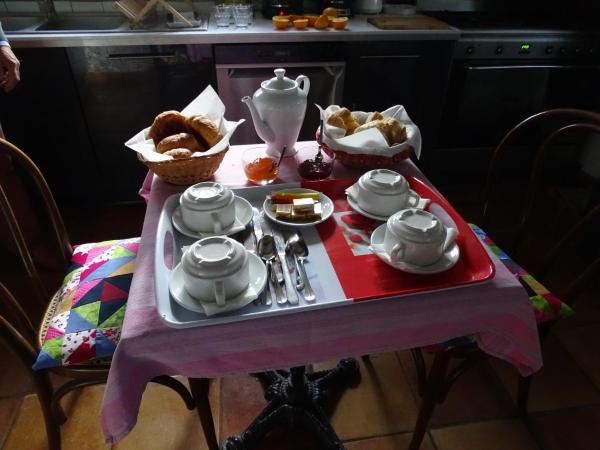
81 326
528 232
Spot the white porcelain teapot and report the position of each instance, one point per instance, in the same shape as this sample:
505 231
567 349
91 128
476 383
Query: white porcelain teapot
278 109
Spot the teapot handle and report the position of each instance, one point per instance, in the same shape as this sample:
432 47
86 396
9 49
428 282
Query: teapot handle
305 85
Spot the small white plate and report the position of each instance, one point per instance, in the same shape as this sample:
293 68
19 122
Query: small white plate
326 204
447 261
243 216
258 280
421 204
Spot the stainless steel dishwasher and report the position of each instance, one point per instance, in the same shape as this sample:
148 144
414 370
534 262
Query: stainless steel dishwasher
235 80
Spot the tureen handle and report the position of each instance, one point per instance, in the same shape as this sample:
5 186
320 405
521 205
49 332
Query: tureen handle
305 85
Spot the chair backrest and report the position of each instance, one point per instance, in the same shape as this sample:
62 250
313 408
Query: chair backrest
16 330
542 217
33 177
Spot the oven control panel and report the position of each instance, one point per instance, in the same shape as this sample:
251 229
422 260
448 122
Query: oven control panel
576 48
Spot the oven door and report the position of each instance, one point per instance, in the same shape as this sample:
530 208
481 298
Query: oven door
485 101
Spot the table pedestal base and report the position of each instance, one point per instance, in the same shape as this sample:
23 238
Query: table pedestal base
297 399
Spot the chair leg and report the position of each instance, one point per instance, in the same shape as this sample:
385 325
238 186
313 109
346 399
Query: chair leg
434 388
43 389
523 395
178 387
199 387
419 361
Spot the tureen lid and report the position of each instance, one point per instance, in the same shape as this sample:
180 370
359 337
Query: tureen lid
384 182
417 225
213 257
207 195
279 82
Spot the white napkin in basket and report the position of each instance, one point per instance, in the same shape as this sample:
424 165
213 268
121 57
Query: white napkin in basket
208 104
373 142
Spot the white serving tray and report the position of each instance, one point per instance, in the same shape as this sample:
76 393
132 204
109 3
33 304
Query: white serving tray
169 243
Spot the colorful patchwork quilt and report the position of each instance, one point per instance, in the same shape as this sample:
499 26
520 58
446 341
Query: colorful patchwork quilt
84 319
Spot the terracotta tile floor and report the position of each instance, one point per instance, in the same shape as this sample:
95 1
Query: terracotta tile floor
377 414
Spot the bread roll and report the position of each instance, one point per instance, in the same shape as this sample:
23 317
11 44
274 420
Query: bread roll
343 118
375 115
179 153
392 129
166 124
204 129
179 140
396 131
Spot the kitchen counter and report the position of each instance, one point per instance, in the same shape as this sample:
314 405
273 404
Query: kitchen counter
261 31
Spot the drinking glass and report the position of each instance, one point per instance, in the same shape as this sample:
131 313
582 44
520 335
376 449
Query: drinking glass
242 15
223 15
259 167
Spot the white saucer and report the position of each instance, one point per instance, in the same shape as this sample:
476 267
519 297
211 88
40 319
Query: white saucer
326 204
258 280
421 204
243 216
447 261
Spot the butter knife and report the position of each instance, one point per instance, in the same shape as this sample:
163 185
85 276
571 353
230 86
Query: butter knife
258 233
290 286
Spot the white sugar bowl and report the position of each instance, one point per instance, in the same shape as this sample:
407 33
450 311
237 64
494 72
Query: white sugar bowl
383 192
215 269
417 237
207 207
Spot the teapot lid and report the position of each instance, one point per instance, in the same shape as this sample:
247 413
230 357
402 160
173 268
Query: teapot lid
280 82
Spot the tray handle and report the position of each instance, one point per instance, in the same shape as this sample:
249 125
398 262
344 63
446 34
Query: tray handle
161 269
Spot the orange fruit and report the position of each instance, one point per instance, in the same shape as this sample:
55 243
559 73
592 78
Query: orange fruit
281 23
339 23
300 24
331 12
322 22
311 20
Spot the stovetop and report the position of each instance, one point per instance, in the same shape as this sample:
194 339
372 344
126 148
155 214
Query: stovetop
514 23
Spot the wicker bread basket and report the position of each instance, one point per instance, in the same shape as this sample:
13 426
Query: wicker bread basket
186 171
367 161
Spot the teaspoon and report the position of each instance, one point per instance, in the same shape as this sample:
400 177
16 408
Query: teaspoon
266 250
300 251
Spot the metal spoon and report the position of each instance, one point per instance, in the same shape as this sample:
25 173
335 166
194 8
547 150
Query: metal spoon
300 251
266 250
299 280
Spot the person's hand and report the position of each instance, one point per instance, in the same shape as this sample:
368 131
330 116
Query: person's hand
9 69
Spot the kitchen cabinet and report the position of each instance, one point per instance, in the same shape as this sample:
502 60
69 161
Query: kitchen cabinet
122 89
43 117
412 73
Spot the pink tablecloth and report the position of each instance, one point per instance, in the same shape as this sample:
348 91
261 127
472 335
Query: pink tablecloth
498 313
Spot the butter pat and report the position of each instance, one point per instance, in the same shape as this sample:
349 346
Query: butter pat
314 214
284 211
303 204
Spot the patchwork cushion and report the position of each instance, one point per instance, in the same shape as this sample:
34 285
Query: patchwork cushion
546 306
83 322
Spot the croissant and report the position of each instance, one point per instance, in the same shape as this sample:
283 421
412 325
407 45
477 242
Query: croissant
179 153
204 129
179 140
166 124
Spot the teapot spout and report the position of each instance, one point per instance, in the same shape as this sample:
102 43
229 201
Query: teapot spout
262 129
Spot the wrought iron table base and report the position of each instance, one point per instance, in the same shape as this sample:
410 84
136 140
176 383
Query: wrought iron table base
297 399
